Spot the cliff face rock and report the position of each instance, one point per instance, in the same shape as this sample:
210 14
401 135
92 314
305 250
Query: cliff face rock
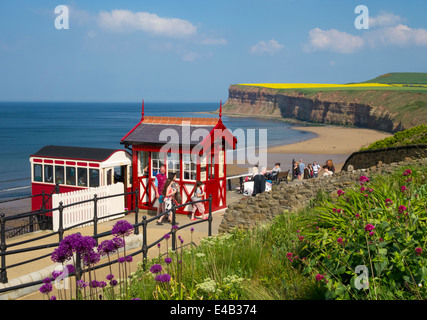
322 107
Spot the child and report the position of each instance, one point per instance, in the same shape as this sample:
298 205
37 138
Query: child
169 191
198 195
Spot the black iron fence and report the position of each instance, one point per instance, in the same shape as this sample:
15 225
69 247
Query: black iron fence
5 249
26 223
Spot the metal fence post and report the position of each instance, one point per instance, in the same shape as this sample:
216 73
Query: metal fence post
144 242
173 229
210 216
61 222
3 272
95 217
136 229
43 217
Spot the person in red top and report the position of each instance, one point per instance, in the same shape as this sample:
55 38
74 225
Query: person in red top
159 184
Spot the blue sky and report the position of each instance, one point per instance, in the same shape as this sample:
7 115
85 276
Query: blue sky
191 51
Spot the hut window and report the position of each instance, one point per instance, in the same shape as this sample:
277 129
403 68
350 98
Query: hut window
173 164
158 160
82 172
190 168
71 176
37 175
59 174
48 173
143 163
93 178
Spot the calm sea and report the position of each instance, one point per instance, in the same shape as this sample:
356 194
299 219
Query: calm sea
25 127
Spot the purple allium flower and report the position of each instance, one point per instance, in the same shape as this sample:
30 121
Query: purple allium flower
167 236
107 247
110 277
91 258
81 284
47 280
56 274
156 268
158 278
192 229
122 228
102 284
175 227
71 241
121 259
168 260
94 284
369 227
165 278
85 245
129 259
46 288
118 243
61 254
53 298
113 282
158 245
70 268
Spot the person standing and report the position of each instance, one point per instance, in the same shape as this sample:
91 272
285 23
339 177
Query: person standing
198 195
316 169
296 171
259 182
159 183
301 169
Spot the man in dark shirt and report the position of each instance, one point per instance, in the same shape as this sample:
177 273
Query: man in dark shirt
259 182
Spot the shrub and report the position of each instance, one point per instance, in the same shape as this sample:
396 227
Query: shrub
378 227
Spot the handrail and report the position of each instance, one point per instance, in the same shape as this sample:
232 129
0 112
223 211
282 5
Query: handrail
144 249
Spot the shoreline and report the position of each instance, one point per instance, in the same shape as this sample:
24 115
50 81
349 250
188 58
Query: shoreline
332 142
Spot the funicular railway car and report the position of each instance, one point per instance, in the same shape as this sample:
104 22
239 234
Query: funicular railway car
76 168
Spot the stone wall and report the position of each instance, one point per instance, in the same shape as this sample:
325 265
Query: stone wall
369 158
250 211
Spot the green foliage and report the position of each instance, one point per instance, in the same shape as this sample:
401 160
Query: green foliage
379 225
415 135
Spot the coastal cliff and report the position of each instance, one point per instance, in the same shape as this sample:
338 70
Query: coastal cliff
389 111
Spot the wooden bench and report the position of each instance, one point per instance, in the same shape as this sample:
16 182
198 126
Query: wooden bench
281 176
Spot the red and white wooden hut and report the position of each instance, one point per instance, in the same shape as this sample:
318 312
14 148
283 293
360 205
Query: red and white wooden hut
193 148
77 168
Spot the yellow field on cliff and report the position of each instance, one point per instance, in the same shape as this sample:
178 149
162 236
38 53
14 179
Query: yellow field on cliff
316 85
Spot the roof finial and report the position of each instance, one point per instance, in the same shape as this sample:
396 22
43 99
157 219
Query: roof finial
220 109
142 111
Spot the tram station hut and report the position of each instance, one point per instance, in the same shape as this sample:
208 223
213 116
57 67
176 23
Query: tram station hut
192 148
76 168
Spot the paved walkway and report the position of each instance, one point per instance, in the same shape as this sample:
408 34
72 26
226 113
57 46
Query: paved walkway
40 269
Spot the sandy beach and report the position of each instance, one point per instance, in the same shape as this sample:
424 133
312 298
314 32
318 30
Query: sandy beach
332 142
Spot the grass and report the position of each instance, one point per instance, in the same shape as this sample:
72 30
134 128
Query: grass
415 135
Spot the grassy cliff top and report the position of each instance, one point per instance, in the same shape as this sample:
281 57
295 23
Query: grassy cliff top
415 135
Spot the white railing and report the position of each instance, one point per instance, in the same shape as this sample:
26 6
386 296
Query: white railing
79 213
